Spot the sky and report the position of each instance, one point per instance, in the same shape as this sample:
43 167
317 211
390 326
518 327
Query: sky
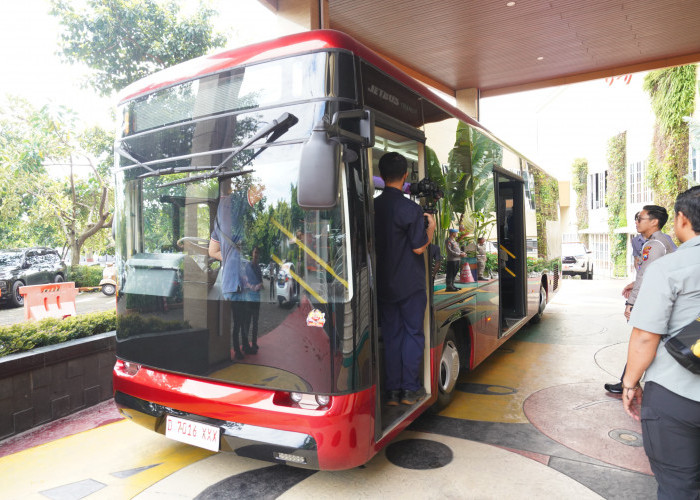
556 125
550 126
32 69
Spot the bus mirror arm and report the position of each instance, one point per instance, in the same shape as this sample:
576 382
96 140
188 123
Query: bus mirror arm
365 120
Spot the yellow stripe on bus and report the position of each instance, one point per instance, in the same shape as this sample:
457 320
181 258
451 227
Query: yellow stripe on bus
511 272
310 253
298 279
506 251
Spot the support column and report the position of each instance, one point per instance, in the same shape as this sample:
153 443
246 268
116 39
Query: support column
295 16
468 101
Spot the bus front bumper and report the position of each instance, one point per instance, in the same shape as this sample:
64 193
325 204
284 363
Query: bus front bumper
245 440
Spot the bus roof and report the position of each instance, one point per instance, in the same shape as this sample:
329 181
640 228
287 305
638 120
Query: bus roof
300 43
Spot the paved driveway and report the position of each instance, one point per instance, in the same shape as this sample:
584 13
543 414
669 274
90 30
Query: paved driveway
85 302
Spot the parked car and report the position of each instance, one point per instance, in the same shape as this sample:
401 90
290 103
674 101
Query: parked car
286 286
30 266
576 259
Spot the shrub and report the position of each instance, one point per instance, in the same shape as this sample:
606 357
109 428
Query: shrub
84 276
26 336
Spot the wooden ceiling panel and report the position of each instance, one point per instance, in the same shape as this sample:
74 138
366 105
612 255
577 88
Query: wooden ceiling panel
487 45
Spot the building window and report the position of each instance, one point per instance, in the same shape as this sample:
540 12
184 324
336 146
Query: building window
599 245
693 164
638 184
597 187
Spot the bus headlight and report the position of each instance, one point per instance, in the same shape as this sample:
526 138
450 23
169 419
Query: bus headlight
308 401
131 369
323 399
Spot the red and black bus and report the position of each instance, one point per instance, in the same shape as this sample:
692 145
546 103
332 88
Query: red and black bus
302 121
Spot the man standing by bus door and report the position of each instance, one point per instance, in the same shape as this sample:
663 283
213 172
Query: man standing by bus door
402 235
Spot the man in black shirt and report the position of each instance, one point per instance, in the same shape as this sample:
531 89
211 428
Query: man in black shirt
401 239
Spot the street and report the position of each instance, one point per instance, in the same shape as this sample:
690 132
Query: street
85 302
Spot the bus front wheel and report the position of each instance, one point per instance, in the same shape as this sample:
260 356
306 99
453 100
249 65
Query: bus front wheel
540 308
448 372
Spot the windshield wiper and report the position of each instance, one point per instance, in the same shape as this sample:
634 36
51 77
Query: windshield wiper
123 149
176 170
274 131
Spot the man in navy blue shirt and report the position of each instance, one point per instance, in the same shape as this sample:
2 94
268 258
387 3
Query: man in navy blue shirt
401 239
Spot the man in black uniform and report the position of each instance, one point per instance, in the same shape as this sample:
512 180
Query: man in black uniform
401 239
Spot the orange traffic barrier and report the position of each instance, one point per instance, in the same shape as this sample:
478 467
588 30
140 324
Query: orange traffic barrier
53 300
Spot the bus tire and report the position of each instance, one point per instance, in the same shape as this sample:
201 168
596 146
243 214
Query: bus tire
541 305
448 371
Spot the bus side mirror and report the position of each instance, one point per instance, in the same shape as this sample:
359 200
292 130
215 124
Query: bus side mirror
318 171
323 154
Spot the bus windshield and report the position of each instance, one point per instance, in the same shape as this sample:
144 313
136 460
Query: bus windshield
228 278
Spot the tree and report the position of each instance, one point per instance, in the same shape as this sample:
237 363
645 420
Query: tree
468 181
124 40
42 201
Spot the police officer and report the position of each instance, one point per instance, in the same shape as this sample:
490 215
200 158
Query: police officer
650 221
401 236
669 407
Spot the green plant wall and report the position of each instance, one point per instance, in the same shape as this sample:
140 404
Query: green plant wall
579 176
616 201
672 94
546 208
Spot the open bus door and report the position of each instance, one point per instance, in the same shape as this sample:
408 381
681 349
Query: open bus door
409 144
512 255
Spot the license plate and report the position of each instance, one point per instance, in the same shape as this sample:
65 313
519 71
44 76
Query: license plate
194 433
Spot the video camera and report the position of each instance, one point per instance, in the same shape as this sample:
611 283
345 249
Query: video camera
429 190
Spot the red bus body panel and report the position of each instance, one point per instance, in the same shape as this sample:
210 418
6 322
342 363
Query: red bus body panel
344 432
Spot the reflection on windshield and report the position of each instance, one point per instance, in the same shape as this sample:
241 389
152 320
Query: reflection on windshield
10 259
231 279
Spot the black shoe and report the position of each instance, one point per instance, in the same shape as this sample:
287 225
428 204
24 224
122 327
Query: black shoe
238 356
412 397
248 349
254 349
614 388
452 289
392 398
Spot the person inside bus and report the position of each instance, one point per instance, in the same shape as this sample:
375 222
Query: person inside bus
226 245
254 283
402 235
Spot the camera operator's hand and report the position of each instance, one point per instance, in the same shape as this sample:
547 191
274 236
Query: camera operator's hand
431 222
430 229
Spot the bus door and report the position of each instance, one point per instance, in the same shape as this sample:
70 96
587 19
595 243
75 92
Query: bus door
408 143
512 264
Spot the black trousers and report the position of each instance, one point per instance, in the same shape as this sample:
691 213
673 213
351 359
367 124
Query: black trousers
671 433
451 271
240 316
